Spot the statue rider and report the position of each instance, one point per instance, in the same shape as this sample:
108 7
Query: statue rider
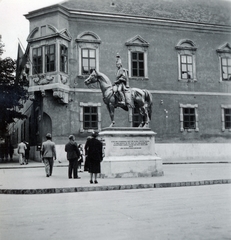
121 82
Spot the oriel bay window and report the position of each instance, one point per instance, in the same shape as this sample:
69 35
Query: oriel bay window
37 58
45 60
50 58
88 60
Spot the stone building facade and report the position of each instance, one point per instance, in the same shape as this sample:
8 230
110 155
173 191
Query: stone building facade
179 50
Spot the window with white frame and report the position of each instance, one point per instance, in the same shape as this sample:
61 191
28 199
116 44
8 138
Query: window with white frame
186 50
224 55
90 116
137 62
226 117
88 60
226 68
37 58
63 58
88 52
137 57
50 58
189 117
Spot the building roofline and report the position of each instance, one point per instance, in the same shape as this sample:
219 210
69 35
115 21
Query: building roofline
70 12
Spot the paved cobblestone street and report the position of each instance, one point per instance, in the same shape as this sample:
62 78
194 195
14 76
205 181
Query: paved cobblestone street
169 213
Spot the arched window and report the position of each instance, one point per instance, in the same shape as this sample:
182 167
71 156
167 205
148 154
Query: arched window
186 60
224 54
88 52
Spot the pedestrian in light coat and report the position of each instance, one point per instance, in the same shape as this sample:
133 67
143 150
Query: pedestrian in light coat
48 152
21 152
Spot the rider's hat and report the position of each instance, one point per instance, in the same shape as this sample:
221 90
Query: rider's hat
118 60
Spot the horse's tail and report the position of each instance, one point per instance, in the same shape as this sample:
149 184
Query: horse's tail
148 100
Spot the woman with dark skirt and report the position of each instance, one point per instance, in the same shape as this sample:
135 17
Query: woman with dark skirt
94 155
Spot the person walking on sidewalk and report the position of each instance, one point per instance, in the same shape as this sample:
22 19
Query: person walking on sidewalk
21 152
27 152
73 156
94 152
48 154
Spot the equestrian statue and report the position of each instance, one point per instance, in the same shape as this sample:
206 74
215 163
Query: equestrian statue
121 95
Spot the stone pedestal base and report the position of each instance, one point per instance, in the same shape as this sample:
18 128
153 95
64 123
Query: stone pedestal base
129 152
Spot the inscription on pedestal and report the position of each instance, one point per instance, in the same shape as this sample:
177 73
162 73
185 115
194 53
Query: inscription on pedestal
130 144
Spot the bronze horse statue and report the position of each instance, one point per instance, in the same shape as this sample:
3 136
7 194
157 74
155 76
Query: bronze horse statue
142 98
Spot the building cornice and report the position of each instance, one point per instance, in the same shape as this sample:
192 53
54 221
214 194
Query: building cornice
149 21
84 90
124 18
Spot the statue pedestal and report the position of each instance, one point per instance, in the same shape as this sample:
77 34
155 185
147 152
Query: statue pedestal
129 152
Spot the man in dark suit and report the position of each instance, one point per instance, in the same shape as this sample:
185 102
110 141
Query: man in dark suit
73 155
48 154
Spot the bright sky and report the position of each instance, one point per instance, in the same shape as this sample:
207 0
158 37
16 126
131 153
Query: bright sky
14 26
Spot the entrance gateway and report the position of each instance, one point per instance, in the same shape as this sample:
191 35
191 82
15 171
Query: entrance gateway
129 152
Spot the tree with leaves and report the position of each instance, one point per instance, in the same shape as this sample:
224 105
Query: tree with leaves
12 93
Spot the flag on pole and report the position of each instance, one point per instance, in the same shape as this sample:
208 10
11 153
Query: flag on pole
21 61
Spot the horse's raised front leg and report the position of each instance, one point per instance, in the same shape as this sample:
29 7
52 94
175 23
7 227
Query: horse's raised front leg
111 110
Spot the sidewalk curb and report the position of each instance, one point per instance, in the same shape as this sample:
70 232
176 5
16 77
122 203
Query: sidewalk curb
114 187
66 165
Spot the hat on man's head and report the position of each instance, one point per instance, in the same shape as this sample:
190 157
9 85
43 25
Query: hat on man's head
71 137
48 135
95 134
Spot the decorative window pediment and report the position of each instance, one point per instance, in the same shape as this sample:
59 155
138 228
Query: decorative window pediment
65 33
88 37
137 41
48 31
34 33
186 44
225 48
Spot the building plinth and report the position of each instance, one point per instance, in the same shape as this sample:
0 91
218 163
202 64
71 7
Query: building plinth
129 152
